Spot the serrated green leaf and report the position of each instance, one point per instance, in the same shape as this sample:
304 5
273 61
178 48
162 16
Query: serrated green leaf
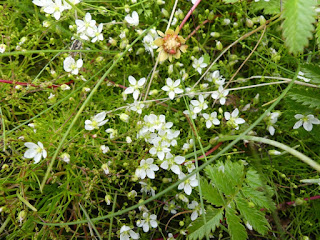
253 179
210 193
271 7
307 97
298 16
254 216
198 230
226 177
206 58
236 230
312 72
257 198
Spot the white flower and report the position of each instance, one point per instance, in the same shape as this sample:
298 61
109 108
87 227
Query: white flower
191 113
137 106
188 184
194 205
198 64
55 8
171 207
133 19
146 188
86 27
172 163
105 168
190 166
128 139
35 151
70 65
301 76
220 94
215 77
232 119
98 36
64 87
147 221
147 168
306 121
51 96
42 3
187 146
126 233
211 119
172 87
199 105
2 48
148 41
65 157
271 119
113 132
96 122
135 86
104 149
159 148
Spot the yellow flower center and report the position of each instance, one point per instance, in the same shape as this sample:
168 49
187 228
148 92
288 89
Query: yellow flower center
171 44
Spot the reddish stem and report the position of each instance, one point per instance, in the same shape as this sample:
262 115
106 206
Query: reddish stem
31 84
211 150
189 14
293 202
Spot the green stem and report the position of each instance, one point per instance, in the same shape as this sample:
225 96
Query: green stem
171 187
3 226
90 222
282 146
3 130
84 105
26 202
111 219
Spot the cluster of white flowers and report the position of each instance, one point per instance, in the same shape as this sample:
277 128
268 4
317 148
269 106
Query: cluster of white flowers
87 29
54 7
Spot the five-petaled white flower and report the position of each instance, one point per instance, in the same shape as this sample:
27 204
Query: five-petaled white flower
70 65
147 168
232 119
148 220
126 233
198 64
86 27
220 94
135 86
172 87
188 184
199 105
173 163
35 151
133 19
211 119
96 122
305 121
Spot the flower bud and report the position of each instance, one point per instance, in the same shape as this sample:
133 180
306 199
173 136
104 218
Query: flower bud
165 12
215 34
124 117
108 199
249 23
219 45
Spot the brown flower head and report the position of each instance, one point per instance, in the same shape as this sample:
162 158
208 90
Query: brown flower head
170 45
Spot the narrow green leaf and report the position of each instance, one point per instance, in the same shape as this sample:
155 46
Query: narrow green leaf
211 193
198 230
299 16
318 33
236 230
254 216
